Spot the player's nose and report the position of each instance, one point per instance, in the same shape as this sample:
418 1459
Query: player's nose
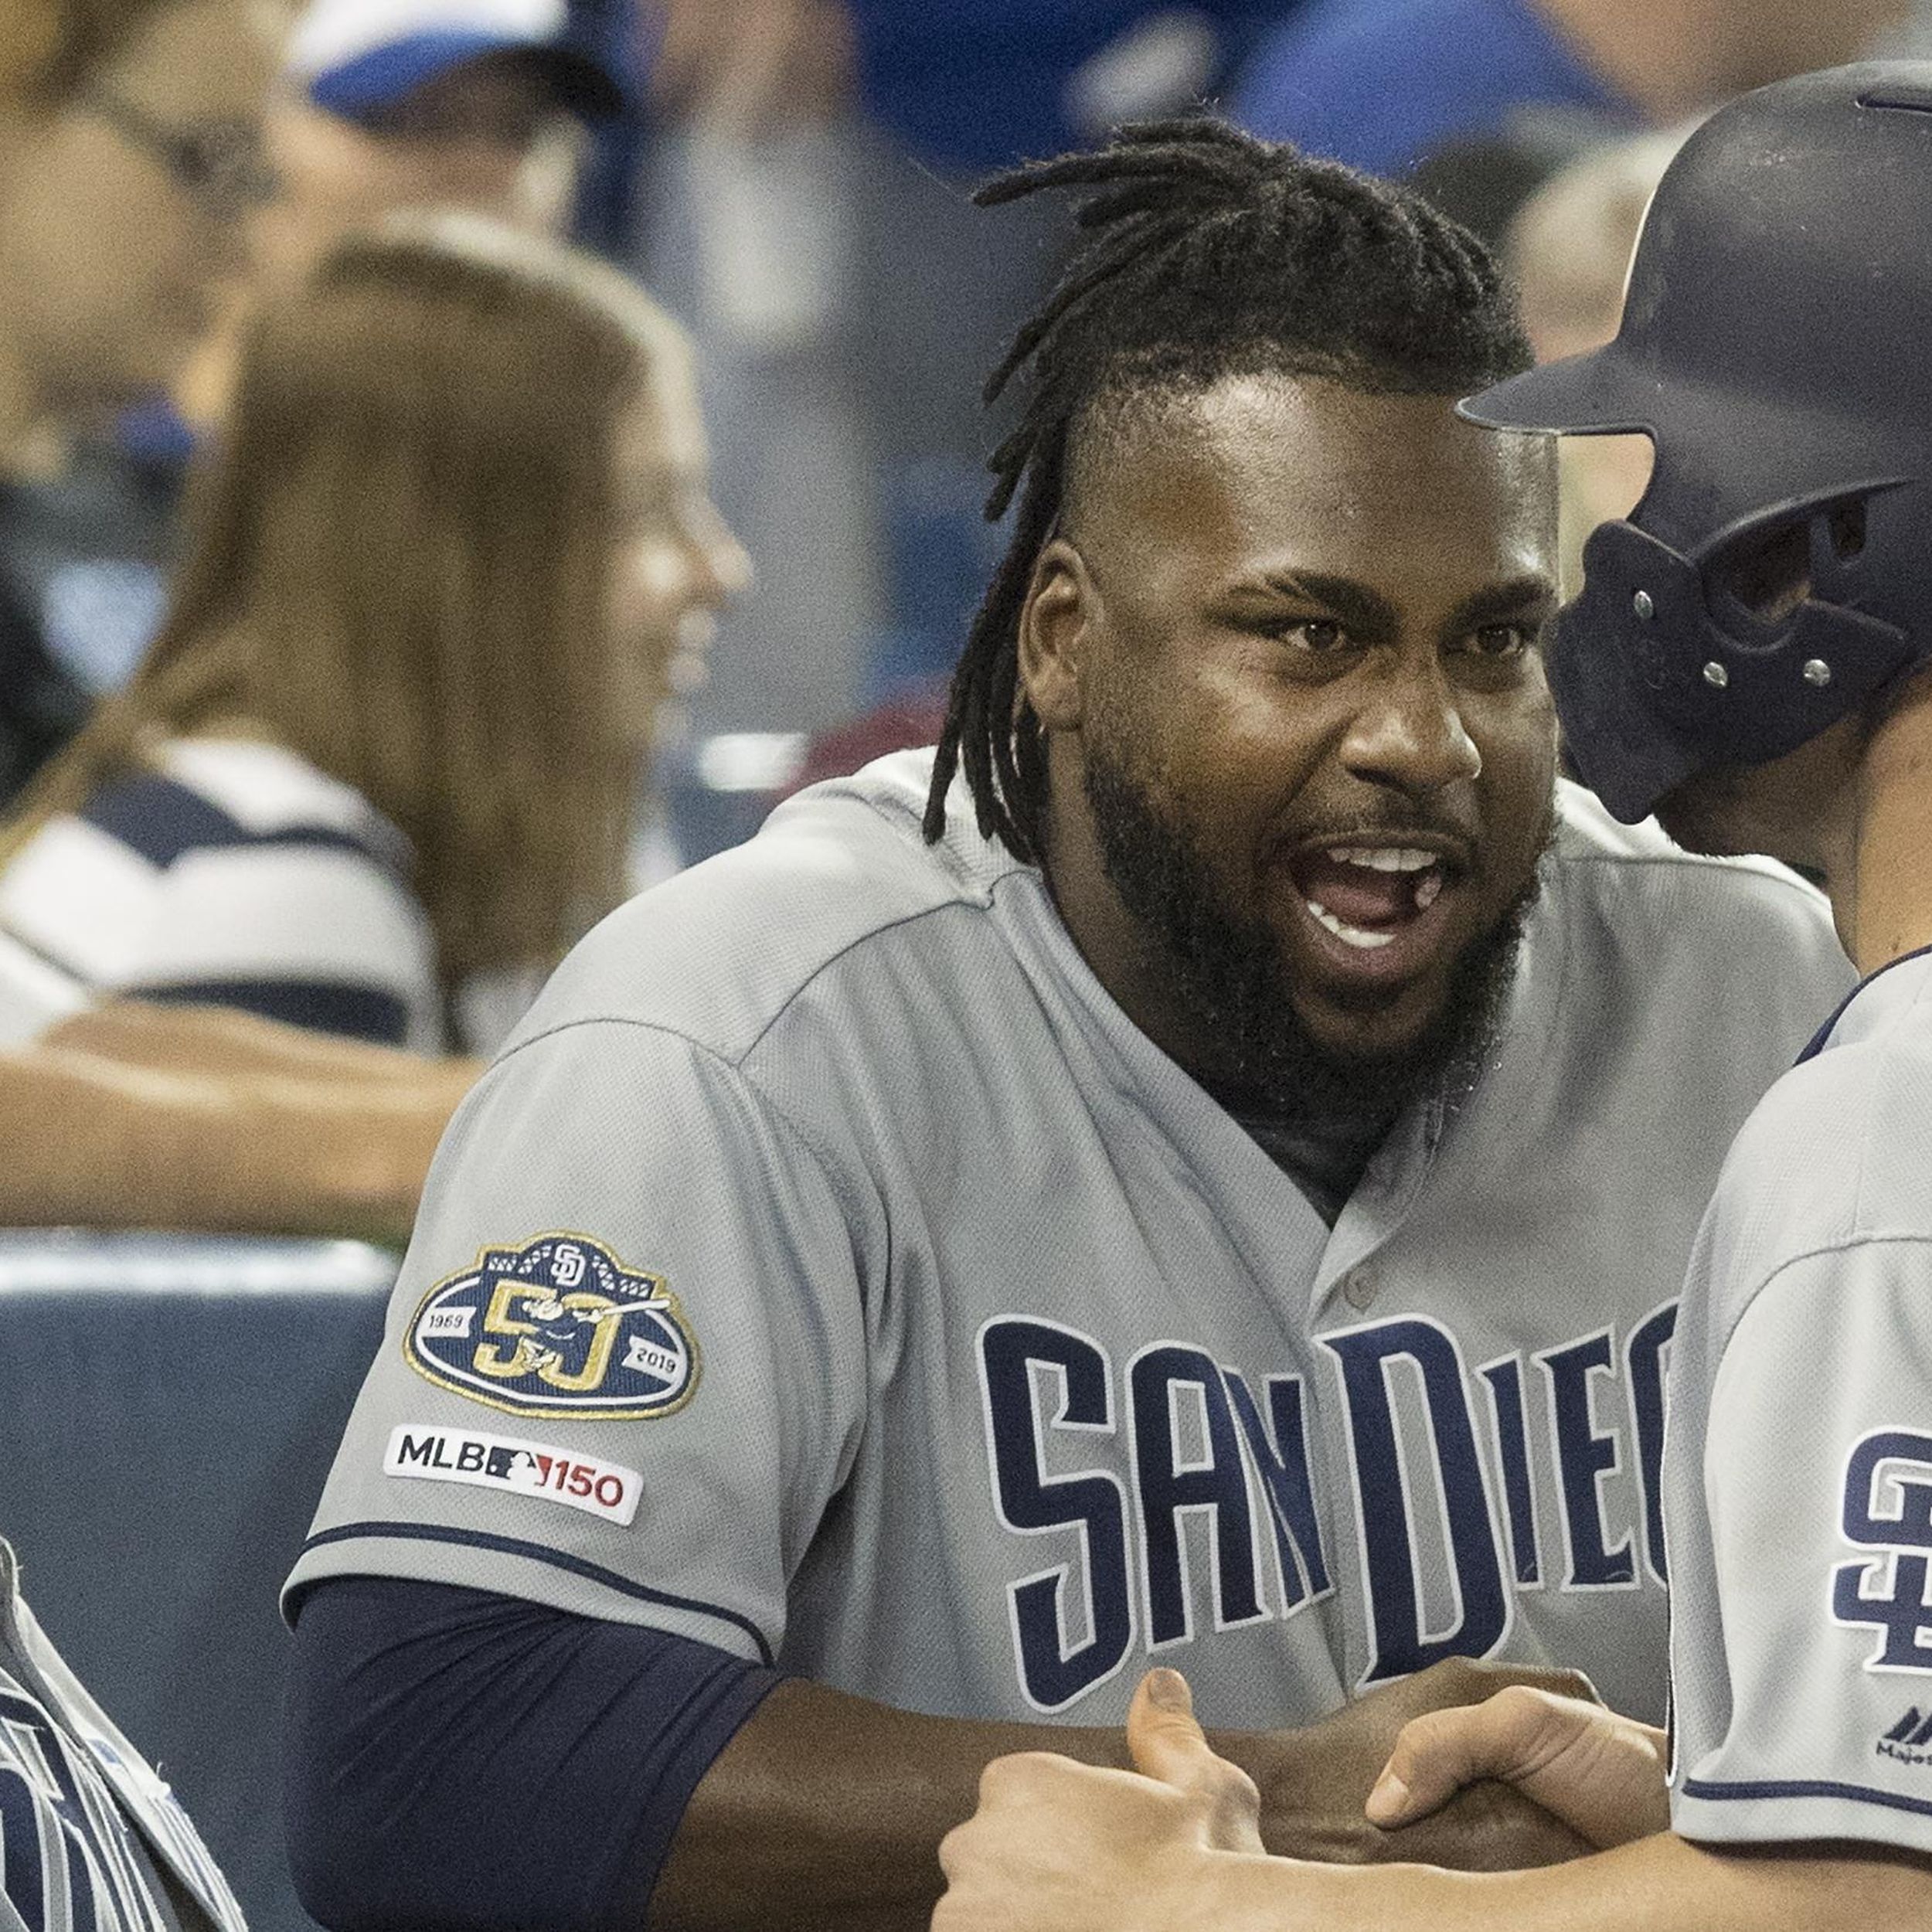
1408 732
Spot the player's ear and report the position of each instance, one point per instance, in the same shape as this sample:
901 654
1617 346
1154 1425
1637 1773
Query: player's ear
1056 625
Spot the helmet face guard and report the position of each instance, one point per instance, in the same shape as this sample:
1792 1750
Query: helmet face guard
1777 574
1660 669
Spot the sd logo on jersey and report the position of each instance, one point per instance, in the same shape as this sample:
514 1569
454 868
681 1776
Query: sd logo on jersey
556 1328
1888 1508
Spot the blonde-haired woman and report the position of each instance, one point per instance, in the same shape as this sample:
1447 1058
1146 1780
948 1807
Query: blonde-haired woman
386 751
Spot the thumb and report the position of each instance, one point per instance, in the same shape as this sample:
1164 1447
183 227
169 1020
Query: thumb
1162 1735
1509 1736
1434 1757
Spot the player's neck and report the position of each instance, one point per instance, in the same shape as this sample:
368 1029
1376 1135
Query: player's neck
1889 908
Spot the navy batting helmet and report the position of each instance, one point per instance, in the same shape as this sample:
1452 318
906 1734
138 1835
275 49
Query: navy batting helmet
1775 347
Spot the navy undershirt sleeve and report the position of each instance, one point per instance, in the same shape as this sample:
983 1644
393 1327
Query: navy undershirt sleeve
459 1760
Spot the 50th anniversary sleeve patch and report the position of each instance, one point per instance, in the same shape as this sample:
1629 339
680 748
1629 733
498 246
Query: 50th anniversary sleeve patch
557 1327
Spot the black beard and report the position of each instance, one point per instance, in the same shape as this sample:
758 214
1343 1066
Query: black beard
1229 970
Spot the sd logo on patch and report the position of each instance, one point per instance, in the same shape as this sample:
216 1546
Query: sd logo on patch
559 1328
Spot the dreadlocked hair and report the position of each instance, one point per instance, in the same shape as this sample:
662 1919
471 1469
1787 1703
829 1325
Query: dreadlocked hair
1205 254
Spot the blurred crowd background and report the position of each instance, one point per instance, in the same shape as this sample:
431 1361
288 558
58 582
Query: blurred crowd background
790 179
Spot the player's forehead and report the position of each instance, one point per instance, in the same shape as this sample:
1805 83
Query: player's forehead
1263 473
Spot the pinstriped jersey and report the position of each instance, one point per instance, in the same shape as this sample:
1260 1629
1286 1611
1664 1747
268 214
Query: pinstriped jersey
830 1271
85 1825
1799 1486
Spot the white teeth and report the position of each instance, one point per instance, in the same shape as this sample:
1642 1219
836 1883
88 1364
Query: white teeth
1382 858
1428 891
1349 935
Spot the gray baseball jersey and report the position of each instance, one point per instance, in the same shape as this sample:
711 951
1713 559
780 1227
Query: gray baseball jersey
1799 1472
829 1270
86 1829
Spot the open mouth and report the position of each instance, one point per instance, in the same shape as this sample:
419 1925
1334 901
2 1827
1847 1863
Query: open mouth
1368 897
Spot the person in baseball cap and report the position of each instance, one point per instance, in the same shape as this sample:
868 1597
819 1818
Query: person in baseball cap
361 59
477 104
1776 578
388 105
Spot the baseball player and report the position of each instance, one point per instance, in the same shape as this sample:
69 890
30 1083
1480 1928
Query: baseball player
1750 657
1175 1189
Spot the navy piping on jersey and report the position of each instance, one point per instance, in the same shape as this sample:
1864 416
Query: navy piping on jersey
324 1006
557 1558
1805 1788
1817 1046
160 819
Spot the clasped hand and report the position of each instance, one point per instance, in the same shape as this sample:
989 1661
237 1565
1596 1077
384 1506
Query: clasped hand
1177 1840
1069 1846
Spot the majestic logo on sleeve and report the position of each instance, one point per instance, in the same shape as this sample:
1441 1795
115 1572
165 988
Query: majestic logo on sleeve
557 1327
1909 1740
1888 1508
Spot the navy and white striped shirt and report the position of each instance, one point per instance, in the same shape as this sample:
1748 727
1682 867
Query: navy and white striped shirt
231 873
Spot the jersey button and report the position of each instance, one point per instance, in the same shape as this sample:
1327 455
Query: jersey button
1358 1287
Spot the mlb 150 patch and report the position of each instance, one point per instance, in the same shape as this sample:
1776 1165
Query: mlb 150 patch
558 1328
422 1451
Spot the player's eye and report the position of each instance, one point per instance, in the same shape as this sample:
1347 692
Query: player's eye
1319 636
1501 640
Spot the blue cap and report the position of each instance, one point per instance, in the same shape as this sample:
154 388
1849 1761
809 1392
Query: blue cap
355 58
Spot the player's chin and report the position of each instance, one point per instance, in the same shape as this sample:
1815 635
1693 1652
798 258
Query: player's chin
1376 1025
1378 1008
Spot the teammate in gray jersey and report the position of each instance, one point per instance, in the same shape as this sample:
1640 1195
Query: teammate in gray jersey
1174 1190
1751 657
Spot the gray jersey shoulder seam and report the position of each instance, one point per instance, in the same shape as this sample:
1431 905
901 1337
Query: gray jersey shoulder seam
832 959
735 1067
1840 1246
961 895
828 1171
734 1060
